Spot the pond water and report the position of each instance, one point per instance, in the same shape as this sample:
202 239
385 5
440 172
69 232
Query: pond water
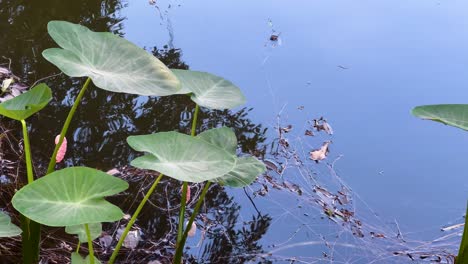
362 66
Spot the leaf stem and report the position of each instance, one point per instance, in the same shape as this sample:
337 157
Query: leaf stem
194 122
179 251
133 219
180 229
52 161
90 244
27 151
183 202
31 230
463 251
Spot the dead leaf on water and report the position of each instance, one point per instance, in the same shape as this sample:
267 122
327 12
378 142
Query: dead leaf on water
286 129
321 153
193 230
322 124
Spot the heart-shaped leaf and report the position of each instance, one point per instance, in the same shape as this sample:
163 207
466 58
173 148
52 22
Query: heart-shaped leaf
181 156
94 228
78 259
247 168
244 173
209 90
72 196
113 63
26 104
450 114
222 137
7 229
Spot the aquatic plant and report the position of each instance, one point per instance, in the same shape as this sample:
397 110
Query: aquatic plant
454 115
74 197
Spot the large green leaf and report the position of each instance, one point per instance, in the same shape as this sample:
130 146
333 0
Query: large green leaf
209 90
94 228
222 137
181 156
7 229
450 114
113 63
72 196
26 104
76 258
244 173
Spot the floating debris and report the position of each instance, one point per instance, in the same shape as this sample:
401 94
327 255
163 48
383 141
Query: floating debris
65 246
321 153
342 67
286 129
274 37
377 235
322 124
449 228
132 239
6 83
113 171
193 229
273 165
105 241
10 85
4 72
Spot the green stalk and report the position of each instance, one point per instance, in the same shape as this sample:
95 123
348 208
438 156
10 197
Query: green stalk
52 162
462 257
31 235
133 219
27 151
90 244
183 202
180 229
179 250
194 122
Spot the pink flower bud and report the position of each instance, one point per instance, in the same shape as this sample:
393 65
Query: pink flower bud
62 150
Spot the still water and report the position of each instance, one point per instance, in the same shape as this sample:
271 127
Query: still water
361 65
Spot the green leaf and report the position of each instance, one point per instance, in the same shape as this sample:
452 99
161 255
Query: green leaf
247 168
244 173
210 90
222 137
181 156
113 63
72 196
78 259
462 257
7 229
450 114
94 228
26 104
